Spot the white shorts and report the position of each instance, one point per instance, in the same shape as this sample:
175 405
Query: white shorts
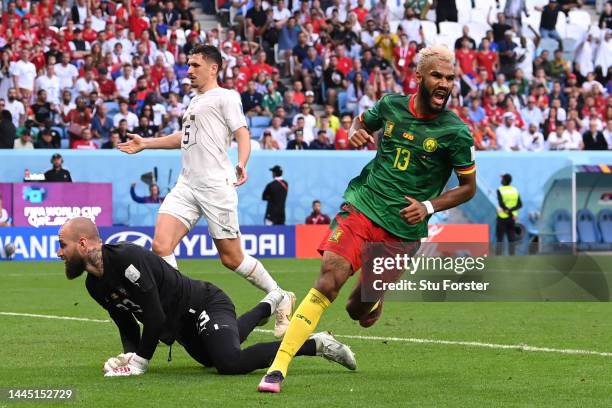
218 205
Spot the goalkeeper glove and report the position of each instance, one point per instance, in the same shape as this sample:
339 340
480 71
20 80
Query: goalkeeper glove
136 365
114 362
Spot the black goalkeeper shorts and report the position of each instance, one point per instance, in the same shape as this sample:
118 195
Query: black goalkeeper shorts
204 331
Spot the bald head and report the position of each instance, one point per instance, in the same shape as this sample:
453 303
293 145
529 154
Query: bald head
80 227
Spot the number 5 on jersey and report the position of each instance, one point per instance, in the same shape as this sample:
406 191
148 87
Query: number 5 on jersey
187 133
402 158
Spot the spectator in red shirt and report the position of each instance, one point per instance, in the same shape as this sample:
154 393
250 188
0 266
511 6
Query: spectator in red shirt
261 65
487 59
361 12
342 140
316 216
345 64
493 111
85 143
466 58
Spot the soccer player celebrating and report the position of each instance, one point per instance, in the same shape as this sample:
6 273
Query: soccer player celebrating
207 183
131 283
393 197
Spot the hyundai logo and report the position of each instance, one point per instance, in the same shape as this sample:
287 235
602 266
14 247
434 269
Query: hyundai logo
135 237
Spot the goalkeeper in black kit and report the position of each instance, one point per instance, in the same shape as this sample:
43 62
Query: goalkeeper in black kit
132 283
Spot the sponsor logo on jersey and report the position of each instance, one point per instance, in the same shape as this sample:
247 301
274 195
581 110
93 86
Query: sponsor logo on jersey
389 128
135 237
335 236
430 144
408 136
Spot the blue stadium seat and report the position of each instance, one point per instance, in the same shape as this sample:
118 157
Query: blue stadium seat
342 99
260 121
604 221
585 226
60 130
257 132
65 143
562 225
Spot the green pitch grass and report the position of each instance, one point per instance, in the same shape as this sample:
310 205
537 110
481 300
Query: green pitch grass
46 353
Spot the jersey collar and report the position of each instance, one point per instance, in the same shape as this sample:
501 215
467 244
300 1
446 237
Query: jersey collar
414 113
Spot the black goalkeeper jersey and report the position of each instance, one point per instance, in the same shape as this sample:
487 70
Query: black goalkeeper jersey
138 284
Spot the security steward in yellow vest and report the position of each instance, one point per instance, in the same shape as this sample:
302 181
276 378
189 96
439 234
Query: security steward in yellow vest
509 202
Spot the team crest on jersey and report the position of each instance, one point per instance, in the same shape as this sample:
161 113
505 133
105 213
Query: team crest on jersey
430 144
335 236
408 136
389 128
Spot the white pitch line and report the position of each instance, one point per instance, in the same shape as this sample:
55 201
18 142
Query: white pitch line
521 347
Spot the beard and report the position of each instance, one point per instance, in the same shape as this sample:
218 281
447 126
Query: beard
426 97
75 268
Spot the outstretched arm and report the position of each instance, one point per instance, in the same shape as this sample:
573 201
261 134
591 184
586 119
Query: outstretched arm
137 143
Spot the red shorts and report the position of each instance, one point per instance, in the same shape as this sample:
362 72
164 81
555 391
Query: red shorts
350 231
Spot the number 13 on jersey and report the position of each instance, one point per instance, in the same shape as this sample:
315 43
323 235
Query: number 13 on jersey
402 158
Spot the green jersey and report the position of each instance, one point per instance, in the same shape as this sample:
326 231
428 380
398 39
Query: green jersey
415 158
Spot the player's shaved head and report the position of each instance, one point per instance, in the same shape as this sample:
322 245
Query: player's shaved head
78 242
434 54
80 227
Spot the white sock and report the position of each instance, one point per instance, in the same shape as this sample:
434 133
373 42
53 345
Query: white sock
171 261
273 299
253 271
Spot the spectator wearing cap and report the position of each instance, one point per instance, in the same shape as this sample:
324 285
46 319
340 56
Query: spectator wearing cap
79 48
57 173
275 193
45 140
532 140
162 50
508 135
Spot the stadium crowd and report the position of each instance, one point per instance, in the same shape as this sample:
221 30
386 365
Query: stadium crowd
82 74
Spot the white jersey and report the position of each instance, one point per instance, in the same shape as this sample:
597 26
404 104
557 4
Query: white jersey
208 126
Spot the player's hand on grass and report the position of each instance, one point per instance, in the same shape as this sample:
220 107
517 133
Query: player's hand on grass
241 175
136 365
360 138
415 212
134 145
115 362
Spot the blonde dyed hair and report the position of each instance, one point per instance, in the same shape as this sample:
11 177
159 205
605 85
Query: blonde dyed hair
431 54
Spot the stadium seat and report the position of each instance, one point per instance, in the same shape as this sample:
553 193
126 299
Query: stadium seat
550 45
484 4
580 17
575 31
451 29
342 99
533 20
447 40
257 132
604 221
481 15
65 143
585 226
569 48
60 130
260 121
429 31
393 24
562 225
464 14
561 26
478 30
